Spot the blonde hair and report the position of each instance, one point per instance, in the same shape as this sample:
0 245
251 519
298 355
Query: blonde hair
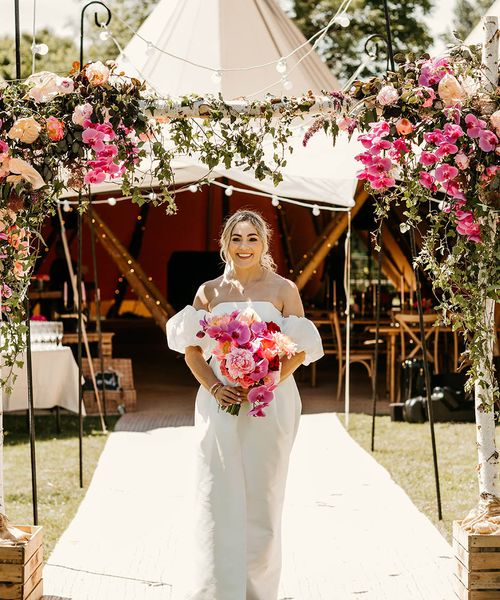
263 231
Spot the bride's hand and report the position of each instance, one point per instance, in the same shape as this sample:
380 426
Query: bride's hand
227 395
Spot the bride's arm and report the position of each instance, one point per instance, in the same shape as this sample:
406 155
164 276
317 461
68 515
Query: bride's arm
292 305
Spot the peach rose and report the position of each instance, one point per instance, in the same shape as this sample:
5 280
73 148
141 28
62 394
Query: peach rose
495 120
25 130
450 91
55 129
81 113
23 170
97 73
19 270
404 127
4 165
47 85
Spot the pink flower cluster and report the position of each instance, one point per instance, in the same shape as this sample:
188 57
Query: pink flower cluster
378 168
249 352
476 129
466 223
432 71
98 136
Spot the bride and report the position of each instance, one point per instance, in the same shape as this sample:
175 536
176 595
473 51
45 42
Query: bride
242 461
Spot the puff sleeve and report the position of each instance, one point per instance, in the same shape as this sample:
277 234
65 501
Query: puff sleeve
182 329
304 333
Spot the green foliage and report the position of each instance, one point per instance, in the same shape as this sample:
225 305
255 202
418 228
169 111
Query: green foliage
468 13
62 53
343 49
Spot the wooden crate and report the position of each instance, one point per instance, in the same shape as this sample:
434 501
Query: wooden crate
21 568
477 565
127 398
122 366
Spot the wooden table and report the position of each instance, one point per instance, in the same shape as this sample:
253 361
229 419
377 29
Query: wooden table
107 341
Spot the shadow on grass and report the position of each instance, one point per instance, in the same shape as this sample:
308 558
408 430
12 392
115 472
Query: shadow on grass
16 427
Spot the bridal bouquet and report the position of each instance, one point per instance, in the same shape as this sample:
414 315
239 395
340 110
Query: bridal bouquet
249 352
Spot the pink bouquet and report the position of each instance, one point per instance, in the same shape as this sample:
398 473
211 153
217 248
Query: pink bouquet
249 352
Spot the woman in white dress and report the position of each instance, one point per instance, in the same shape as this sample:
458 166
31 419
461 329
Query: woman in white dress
242 461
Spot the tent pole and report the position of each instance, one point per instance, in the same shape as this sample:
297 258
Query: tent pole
347 288
31 412
79 330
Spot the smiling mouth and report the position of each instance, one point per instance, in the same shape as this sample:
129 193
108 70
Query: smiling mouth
244 255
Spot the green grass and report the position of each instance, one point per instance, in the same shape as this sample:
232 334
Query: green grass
405 450
59 492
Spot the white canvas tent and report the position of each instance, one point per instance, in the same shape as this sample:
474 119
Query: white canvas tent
239 33
476 36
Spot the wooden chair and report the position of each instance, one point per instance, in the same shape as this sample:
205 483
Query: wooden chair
408 323
333 344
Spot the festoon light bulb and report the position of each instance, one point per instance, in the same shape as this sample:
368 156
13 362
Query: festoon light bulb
281 66
216 76
275 201
40 49
343 20
104 35
66 207
316 211
287 84
150 49
111 201
152 196
229 190
193 188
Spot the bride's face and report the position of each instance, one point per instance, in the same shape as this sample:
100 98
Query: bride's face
246 246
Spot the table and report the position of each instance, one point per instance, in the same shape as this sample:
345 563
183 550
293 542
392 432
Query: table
92 336
55 382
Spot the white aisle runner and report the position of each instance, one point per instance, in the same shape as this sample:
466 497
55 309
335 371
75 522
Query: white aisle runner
348 531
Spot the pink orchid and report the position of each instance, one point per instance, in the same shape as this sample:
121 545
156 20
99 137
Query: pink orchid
428 159
445 149
107 130
452 189
429 94
446 172
94 177
94 139
474 125
487 140
452 132
109 151
381 182
434 137
4 147
427 180
380 128
260 396
261 370
365 157
378 144
432 71
467 226
379 165
239 332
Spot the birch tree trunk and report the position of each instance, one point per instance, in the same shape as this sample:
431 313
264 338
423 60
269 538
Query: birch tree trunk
485 517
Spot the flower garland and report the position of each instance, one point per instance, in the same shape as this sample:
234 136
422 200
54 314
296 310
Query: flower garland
431 138
60 133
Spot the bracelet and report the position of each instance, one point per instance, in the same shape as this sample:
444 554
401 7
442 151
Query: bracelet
215 388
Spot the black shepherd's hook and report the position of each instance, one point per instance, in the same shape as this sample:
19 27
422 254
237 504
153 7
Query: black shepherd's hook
98 24
373 53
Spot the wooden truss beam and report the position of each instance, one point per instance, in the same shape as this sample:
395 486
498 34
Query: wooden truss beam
326 240
143 287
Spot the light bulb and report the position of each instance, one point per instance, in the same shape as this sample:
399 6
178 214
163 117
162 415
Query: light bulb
287 84
275 201
229 191
216 76
40 49
111 201
281 66
193 188
343 20
124 57
66 206
316 212
104 35
150 49
152 196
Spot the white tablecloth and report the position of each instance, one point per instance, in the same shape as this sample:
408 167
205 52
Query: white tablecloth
55 382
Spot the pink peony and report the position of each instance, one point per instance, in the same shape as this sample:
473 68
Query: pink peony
55 129
239 362
387 95
97 73
81 113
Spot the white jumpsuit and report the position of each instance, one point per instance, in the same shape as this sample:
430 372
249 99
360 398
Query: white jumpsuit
241 470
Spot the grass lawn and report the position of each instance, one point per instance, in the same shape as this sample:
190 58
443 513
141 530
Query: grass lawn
59 492
405 450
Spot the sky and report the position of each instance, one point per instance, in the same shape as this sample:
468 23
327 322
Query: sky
59 14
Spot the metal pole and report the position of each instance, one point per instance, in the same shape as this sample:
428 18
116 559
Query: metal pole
377 340
390 51
18 39
98 24
79 330
347 288
31 411
97 304
427 374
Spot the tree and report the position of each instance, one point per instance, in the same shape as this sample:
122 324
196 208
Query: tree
343 49
62 53
467 15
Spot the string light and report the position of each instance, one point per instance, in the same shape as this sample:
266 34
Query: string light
343 20
316 211
275 201
150 49
287 84
216 77
104 35
193 188
66 206
229 190
111 201
281 66
41 49
152 196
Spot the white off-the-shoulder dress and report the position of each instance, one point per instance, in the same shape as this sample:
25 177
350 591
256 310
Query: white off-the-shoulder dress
241 468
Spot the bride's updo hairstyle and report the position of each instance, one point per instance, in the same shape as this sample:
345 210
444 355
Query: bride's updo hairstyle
263 231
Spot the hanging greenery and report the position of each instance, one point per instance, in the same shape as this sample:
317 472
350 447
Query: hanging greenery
431 138
96 125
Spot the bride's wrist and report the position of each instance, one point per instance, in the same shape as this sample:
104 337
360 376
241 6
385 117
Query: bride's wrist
215 388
